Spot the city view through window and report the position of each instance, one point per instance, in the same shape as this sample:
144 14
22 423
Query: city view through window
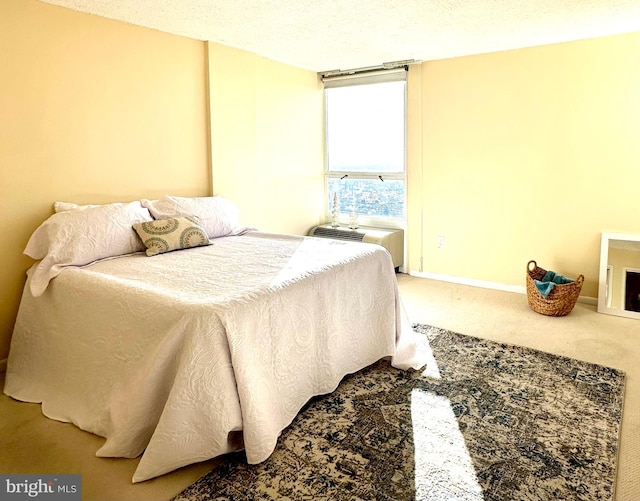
367 197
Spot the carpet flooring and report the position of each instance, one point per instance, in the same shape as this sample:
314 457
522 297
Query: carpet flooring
484 421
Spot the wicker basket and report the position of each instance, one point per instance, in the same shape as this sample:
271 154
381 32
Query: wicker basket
560 300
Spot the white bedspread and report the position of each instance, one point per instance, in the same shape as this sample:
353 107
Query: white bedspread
170 354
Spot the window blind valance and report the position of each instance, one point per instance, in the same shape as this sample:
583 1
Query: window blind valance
365 77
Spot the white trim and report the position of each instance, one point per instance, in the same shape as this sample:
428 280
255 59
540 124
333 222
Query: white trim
608 295
3 365
519 289
588 300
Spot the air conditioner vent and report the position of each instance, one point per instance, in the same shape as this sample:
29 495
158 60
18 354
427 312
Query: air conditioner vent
337 233
390 239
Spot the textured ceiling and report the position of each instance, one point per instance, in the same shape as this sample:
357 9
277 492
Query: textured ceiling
342 34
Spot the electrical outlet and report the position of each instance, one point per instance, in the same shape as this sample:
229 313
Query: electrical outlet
440 242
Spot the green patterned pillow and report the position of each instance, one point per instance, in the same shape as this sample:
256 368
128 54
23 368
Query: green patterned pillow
164 235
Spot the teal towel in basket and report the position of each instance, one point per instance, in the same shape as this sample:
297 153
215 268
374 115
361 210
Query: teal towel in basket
549 281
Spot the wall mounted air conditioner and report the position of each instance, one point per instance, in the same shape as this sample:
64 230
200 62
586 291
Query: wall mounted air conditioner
390 239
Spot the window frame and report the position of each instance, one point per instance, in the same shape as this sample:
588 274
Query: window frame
371 77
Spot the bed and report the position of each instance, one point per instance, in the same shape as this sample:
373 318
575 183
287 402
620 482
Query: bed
172 356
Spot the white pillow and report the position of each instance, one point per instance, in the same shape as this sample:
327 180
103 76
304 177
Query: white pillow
64 206
217 215
80 237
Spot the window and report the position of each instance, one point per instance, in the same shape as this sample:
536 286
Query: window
365 136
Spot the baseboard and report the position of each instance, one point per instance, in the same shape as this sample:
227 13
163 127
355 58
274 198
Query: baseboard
3 365
588 300
520 289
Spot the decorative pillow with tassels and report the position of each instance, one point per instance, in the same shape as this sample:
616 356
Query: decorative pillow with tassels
165 235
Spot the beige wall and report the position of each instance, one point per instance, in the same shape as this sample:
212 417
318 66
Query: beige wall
512 156
267 139
524 154
91 110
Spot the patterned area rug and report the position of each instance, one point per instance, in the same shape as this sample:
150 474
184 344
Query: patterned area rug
490 422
